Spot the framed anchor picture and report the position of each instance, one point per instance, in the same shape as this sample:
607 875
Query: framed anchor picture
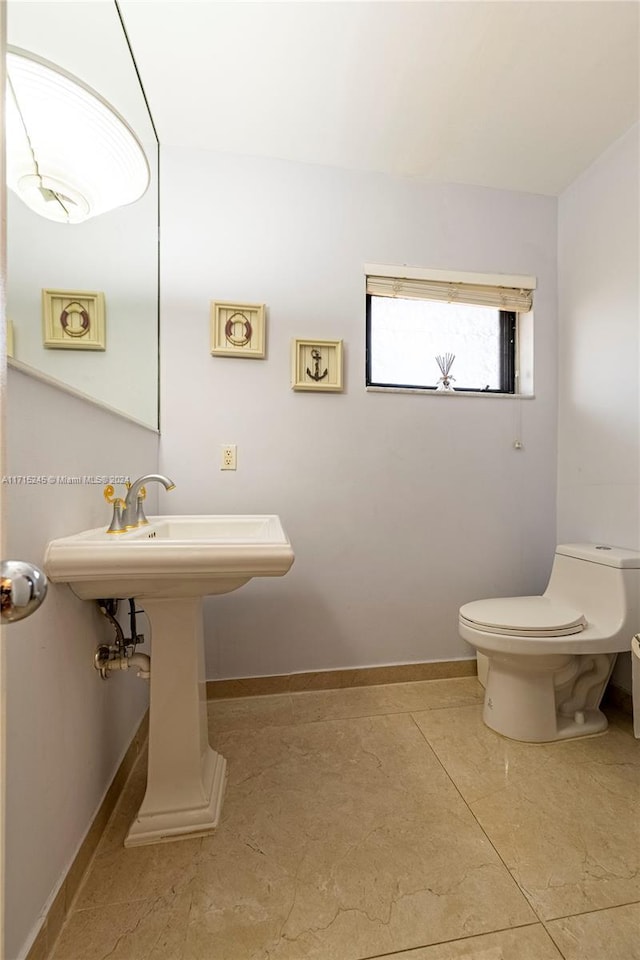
316 365
238 329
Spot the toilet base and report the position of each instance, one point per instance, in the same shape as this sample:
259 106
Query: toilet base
588 724
592 722
525 701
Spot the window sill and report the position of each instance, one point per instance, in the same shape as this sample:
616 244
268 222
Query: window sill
453 393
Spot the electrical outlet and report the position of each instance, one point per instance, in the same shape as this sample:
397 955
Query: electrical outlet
228 458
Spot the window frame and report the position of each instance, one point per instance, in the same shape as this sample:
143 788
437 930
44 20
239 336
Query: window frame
507 358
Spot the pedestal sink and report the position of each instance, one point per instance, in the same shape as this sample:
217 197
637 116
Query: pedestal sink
169 565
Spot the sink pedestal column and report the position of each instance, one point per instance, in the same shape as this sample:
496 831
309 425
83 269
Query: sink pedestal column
186 778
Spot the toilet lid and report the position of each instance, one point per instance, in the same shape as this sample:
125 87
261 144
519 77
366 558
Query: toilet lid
523 616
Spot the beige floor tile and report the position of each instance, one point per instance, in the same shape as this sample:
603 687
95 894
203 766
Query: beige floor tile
560 815
142 930
479 761
523 943
390 698
248 713
342 837
612 934
339 840
120 875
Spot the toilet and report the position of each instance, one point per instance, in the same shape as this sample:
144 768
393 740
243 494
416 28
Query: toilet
549 658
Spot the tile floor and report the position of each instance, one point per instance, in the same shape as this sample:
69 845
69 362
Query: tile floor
381 822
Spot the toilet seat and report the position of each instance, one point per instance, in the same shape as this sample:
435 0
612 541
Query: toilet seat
523 617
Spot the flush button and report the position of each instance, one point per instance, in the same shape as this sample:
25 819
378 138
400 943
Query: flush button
603 548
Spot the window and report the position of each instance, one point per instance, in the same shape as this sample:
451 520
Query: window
412 321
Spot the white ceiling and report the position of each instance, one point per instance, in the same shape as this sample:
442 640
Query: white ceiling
509 94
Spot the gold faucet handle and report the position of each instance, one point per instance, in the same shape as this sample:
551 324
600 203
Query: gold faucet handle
142 493
108 493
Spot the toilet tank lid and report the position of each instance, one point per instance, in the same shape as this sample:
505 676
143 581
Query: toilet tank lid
601 553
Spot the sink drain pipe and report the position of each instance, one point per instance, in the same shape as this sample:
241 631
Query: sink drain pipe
121 655
107 659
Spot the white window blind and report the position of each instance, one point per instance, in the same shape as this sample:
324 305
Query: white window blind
484 295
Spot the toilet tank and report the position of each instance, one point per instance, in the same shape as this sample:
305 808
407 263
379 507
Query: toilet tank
602 581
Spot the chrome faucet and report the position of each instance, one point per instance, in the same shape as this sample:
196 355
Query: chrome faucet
132 512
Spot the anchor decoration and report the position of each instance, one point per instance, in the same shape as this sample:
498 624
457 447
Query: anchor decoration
316 375
316 365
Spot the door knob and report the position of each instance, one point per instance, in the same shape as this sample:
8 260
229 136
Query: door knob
23 587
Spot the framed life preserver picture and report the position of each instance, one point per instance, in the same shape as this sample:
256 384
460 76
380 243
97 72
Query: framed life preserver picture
73 320
238 329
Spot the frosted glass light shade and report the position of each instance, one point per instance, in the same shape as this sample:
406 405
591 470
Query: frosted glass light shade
70 156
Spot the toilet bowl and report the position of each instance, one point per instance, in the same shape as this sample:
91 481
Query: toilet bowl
550 657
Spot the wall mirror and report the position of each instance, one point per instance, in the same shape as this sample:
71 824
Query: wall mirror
114 254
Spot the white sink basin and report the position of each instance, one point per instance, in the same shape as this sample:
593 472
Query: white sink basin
190 556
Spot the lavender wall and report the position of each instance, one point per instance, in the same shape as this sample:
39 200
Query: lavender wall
67 730
599 352
400 507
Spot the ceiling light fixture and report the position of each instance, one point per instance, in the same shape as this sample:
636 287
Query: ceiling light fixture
70 156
